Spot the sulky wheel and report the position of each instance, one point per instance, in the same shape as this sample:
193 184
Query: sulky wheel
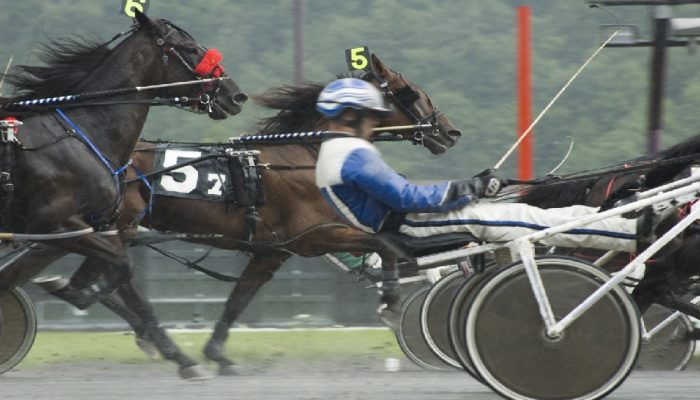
508 345
458 317
409 334
434 316
670 348
17 327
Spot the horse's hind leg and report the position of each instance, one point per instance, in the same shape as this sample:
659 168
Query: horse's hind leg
259 270
136 302
88 272
667 273
31 262
107 252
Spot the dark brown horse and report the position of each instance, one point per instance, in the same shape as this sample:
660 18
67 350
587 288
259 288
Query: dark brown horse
67 170
295 218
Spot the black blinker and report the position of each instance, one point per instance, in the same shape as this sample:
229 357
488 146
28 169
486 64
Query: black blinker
407 96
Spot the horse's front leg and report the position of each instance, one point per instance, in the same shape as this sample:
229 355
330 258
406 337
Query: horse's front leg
259 270
139 305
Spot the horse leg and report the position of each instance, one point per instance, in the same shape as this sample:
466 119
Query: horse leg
259 270
667 272
28 264
109 253
88 272
390 301
137 303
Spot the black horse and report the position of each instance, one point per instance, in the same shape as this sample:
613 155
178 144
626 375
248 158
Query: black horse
68 166
669 271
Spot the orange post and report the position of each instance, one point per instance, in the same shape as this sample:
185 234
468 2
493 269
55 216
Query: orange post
525 162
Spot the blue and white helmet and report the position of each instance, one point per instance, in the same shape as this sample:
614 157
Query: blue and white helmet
350 92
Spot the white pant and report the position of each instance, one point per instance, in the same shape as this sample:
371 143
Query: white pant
501 222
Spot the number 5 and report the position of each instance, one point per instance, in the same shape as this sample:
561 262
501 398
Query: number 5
357 58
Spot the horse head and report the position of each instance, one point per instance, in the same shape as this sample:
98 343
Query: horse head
184 59
413 107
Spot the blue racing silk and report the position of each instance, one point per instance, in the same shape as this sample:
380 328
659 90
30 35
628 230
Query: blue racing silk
363 189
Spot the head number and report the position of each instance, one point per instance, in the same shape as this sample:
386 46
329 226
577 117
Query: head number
358 59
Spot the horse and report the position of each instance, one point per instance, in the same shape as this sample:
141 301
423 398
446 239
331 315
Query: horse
675 264
69 163
295 219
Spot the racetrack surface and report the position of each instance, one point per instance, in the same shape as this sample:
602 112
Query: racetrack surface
362 378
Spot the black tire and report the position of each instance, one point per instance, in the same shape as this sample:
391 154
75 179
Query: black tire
669 349
17 328
458 317
510 350
434 317
409 334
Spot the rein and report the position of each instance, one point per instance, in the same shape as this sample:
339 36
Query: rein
71 100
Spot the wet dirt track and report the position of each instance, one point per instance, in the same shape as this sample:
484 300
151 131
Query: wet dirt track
358 379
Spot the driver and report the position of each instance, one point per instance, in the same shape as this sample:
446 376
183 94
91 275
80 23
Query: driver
365 191
370 195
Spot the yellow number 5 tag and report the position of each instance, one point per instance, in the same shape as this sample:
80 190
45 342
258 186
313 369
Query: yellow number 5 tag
358 59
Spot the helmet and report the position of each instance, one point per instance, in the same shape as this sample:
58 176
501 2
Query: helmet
350 92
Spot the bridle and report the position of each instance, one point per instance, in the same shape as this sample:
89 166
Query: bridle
208 66
406 98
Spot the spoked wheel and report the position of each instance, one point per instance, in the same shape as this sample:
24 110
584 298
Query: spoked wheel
669 349
434 317
508 345
17 327
409 334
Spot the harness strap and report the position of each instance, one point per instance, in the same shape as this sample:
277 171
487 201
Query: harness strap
193 264
151 192
97 217
91 145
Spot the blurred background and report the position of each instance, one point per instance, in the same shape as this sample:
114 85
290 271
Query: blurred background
462 53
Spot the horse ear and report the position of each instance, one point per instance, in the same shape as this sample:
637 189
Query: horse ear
377 65
142 19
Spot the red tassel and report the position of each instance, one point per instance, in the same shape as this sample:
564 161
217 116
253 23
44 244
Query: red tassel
209 65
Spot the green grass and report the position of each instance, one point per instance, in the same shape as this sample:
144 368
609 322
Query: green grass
55 347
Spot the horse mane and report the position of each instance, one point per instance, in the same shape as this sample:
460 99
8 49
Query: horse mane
296 105
68 61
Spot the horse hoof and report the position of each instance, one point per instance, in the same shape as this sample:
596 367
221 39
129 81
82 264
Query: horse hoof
148 348
51 283
389 317
195 373
228 370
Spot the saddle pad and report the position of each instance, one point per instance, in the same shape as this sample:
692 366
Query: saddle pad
208 179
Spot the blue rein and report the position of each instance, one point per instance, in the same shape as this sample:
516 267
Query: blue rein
115 172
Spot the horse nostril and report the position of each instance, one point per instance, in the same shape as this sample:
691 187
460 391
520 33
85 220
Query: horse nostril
456 134
240 98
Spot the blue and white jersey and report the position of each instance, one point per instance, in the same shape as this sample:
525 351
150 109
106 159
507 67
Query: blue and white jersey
360 186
